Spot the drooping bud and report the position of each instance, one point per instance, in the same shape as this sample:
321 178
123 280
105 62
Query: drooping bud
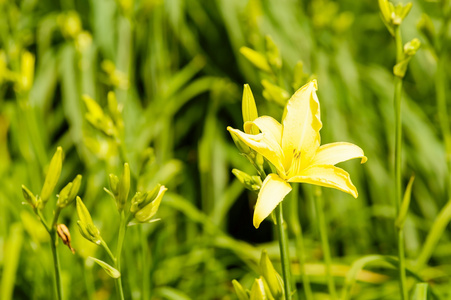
28 195
52 177
271 276
26 72
87 228
252 183
64 234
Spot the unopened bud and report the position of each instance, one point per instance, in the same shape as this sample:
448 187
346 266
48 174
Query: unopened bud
411 47
123 188
242 147
239 290
53 176
273 53
69 192
256 58
275 93
87 228
258 290
249 108
111 271
252 183
271 276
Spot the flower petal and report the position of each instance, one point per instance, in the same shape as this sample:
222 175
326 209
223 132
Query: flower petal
328 176
263 143
268 125
272 192
301 125
334 153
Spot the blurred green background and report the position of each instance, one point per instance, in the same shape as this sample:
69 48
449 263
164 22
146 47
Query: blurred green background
176 69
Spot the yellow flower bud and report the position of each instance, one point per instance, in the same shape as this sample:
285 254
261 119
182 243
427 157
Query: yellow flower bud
87 228
271 276
240 292
252 183
249 108
53 176
68 193
256 58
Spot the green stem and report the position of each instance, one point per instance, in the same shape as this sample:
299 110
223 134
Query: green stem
398 149
145 274
284 253
296 228
107 249
324 242
56 264
120 242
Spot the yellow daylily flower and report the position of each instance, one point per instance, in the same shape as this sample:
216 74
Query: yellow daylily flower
293 148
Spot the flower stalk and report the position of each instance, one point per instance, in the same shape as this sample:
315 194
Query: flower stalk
324 242
296 228
398 150
284 251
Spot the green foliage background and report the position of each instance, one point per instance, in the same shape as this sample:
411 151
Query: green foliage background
176 68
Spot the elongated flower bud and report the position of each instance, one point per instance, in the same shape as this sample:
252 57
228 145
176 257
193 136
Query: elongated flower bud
249 108
271 276
87 228
52 177
123 188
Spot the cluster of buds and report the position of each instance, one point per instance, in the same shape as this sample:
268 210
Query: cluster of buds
145 205
393 15
67 194
268 286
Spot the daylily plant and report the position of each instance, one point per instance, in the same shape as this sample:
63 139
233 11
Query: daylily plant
293 148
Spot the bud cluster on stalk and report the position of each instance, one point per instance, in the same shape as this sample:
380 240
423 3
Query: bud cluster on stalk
268 286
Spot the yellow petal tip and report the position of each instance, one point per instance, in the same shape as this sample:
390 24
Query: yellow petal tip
364 159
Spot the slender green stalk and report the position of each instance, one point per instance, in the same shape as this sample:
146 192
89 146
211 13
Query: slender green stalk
53 244
398 149
324 242
284 253
107 249
56 264
120 242
296 228
145 274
